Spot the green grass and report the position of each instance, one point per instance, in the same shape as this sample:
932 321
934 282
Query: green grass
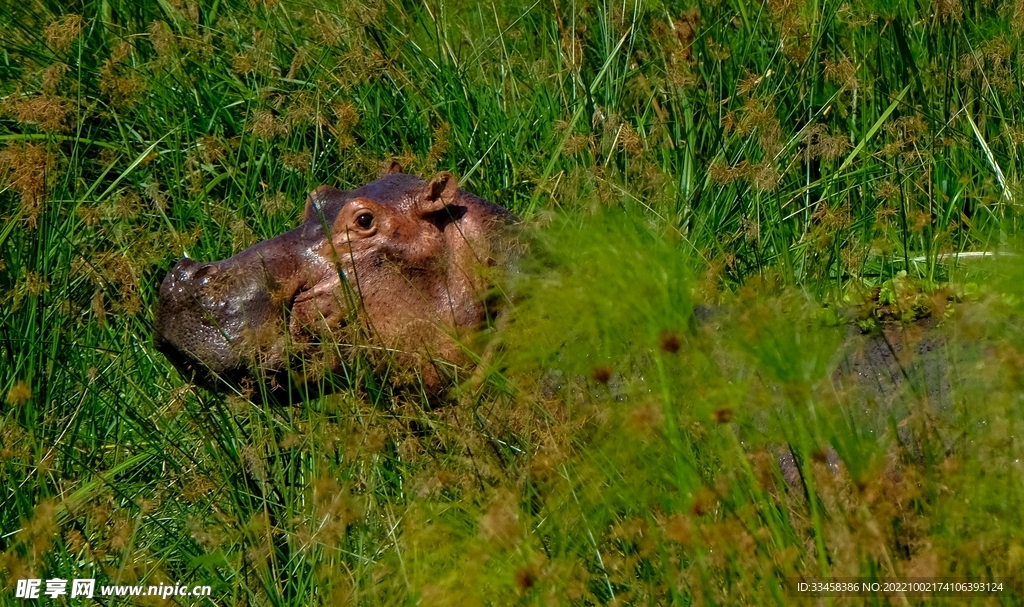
769 157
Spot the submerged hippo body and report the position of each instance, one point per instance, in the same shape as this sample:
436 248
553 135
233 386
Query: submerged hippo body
391 266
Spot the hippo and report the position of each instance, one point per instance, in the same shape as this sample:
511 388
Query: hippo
393 267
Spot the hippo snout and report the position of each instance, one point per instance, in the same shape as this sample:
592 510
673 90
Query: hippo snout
206 316
188 270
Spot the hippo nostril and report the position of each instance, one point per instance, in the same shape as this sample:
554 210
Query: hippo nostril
205 271
182 271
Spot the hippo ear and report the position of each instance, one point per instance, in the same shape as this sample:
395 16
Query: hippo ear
318 199
393 168
440 193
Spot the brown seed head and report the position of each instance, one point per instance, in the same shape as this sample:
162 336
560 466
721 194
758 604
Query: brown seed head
302 111
347 116
62 32
74 540
705 502
819 143
265 125
1017 17
646 420
950 10
439 143
669 341
887 190
629 141
842 72
39 531
297 161
764 176
23 169
525 578
500 524
162 39
721 173
35 284
919 220
19 394
576 144
326 29
748 83
52 77
276 203
678 529
722 416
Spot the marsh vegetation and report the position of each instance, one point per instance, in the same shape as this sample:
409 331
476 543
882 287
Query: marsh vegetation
788 161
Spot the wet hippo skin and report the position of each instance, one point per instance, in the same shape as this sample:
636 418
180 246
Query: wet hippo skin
392 266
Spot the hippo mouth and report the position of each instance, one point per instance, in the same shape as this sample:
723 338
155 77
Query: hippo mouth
221 322
215 326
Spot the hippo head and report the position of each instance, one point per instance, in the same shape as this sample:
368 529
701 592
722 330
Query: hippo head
392 266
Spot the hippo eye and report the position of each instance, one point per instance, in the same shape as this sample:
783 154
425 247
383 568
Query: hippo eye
364 220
